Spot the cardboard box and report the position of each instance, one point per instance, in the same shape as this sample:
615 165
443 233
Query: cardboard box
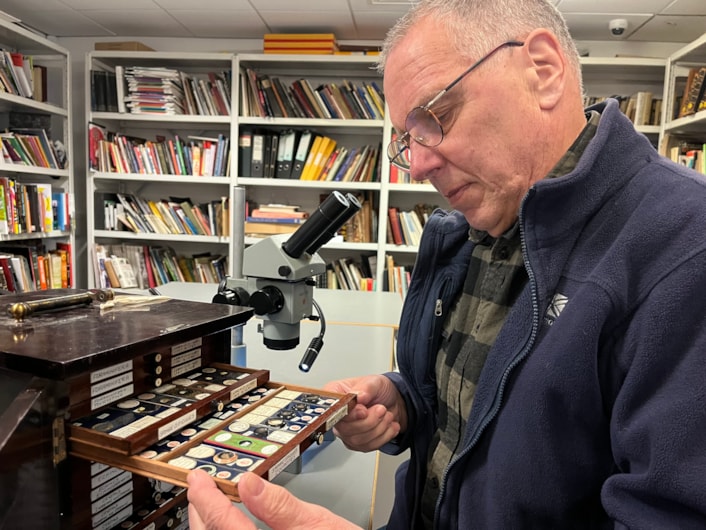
125 46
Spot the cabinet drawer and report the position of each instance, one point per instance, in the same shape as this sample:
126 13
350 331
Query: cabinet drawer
263 431
140 420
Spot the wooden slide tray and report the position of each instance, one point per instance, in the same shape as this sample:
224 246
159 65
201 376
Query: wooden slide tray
262 431
131 425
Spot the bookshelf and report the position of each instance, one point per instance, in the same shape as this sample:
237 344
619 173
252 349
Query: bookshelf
36 176
160 174
602 77
627 77
679 134
350 133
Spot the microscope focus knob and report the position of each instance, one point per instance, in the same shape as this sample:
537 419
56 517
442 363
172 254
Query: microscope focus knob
267 300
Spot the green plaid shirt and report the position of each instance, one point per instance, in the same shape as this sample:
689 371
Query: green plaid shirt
496 275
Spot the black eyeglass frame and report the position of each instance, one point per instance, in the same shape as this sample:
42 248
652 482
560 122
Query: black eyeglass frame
397 147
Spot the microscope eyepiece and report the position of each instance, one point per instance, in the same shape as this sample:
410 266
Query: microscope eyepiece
318 224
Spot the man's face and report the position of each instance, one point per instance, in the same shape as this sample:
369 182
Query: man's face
484 165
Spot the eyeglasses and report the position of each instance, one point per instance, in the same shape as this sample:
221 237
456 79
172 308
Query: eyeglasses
423 126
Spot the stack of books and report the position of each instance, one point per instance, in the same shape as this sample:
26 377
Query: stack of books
153 91
271 219
301 43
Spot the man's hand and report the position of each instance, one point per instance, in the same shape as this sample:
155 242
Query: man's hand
210 509
378 417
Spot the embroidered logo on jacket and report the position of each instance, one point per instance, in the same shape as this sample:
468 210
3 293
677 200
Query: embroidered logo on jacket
555 308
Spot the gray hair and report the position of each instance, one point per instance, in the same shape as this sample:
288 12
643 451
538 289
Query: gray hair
493 22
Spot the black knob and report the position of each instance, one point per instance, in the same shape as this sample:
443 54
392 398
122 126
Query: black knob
284 271
267 300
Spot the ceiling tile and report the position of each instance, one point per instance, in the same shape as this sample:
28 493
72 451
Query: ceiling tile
374 25
211 6
64 23
340 6
135 23
14 7
98 5
686 7
228 25
664 28
611 6
336 22
595 26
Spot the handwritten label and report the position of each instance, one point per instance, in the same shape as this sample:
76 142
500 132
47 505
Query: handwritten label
116 519
104 488
111 397
247 387
134 427
112 497
177 424
97 467
105 476
105 373
186 346
110 384
338 416
186 367
282 464
188 356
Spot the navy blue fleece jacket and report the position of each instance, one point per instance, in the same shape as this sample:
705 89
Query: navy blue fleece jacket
591 408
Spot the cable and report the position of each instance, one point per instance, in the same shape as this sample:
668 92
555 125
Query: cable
312 352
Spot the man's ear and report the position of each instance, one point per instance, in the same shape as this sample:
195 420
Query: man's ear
548 67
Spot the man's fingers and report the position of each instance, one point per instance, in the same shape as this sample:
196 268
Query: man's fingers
209 508
281 510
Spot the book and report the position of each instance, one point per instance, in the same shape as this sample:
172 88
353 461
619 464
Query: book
258 155
309 164
245 137
301 153
270 228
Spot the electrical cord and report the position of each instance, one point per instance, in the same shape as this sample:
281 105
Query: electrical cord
312 352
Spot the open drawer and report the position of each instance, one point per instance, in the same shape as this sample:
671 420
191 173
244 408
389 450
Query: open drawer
263 431
137 421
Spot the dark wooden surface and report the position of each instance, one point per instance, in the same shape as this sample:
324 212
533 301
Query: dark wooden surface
66 342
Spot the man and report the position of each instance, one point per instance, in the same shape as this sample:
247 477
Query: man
551 346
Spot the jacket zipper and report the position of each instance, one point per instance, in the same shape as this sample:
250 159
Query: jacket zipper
501 387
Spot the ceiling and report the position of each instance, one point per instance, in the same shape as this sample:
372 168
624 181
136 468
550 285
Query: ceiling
648 20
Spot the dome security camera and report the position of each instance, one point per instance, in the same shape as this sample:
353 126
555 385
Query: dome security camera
617 27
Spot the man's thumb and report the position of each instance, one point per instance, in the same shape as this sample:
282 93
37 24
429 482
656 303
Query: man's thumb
281 510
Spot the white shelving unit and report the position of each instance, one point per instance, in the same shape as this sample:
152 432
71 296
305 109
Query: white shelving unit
624 76
693 127
56 60
602 77
147 126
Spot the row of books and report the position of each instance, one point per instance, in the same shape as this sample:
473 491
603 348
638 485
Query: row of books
305 155
396 278
265 96
347 275
157 90
269 219
405 227
21 77
690 154
32 208
196 156
31 147
642 108
300 43
144 266
694 96
29 266
176 215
